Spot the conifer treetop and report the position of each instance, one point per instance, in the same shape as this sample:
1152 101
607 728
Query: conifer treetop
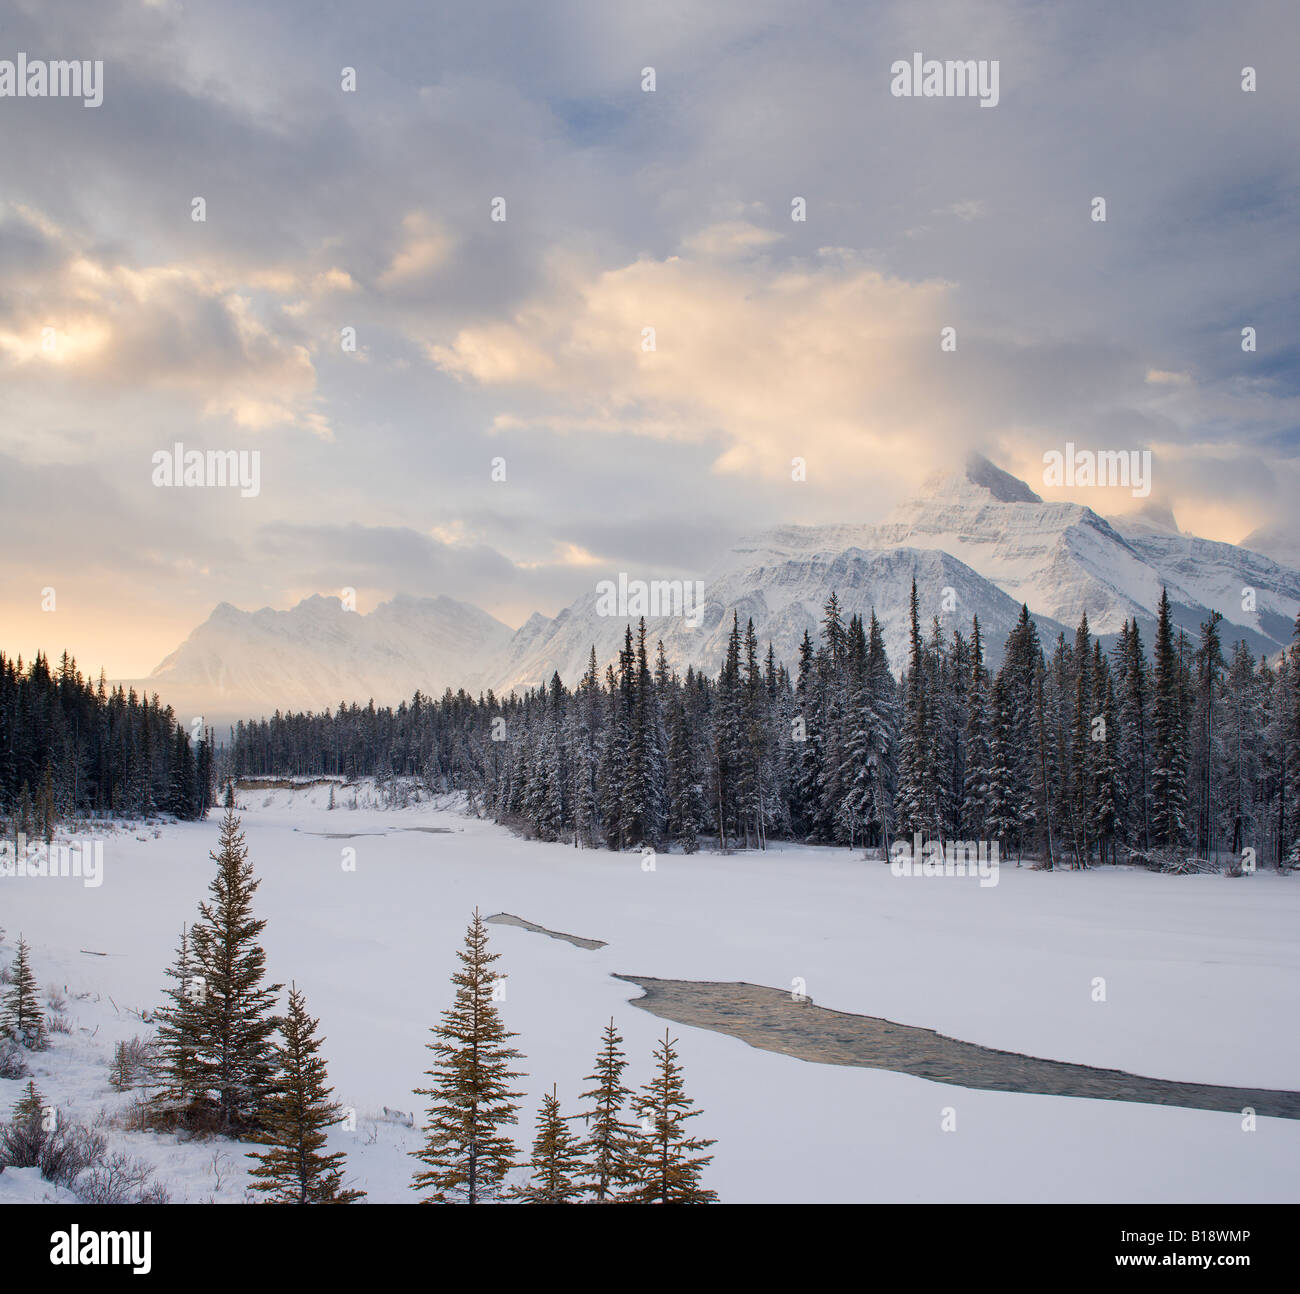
296 1115
467 1152
609 1145
667 1165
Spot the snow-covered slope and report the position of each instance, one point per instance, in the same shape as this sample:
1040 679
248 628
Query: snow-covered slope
1257 596
782 581
318 654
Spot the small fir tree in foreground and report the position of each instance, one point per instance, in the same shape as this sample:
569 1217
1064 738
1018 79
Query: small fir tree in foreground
298 1111
21 1017
23 1138
234 1017
176 1046
609 1137
557 1159
29 1109
666 1163
466 1150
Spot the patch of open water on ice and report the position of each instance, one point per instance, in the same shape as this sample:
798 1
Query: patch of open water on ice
773 1020
506 919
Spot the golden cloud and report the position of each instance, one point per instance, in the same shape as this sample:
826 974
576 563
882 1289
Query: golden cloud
833 355
175 328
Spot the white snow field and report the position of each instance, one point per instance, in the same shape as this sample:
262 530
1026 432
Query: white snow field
1202 979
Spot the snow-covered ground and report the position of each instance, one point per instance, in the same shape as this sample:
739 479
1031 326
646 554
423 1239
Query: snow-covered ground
1202 978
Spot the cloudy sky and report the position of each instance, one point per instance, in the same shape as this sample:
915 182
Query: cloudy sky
522 339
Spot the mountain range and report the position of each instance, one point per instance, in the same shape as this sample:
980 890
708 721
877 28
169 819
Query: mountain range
977 541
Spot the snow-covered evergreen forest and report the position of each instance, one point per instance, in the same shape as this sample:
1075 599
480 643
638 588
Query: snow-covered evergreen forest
1068 753
70 749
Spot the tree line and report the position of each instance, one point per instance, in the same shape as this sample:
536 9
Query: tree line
1069 752
71 749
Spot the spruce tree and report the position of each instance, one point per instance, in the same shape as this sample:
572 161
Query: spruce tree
233 1005
1169 738
1210 758
947 666
975 778
296 1115
586 733
1135 755
917 798
666 1164
882 756
21 1017
1242 744
1107 812
652 741
466 1150
1021 660
609 1138
810 753
180 1093
683 783
1001 819
556 1162
24 1137
1288 742
1047 761
727 739
1082 754
29 1108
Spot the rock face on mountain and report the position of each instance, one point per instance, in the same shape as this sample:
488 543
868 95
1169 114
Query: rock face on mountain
977 542
781 581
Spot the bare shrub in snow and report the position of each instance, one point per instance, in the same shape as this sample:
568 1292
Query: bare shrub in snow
69 1151
220 1168
12 1063
61 1153
116 1179
73 1156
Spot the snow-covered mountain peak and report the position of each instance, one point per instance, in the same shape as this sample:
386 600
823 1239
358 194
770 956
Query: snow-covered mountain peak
979 481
